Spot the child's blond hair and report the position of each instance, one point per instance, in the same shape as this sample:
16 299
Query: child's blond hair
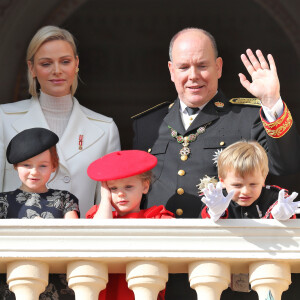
244 157
146 176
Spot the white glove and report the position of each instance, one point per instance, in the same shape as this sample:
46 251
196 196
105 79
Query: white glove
285 208
215 200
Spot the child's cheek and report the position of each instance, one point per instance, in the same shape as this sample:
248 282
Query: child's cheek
114 205
113 199
236 194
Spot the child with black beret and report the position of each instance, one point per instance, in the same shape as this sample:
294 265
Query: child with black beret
125 177
34 156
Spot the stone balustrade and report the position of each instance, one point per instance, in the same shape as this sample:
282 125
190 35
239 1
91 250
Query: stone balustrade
147 251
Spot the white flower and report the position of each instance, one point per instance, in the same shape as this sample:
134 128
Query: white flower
205 181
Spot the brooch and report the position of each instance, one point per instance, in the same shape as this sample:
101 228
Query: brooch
205 181
80 141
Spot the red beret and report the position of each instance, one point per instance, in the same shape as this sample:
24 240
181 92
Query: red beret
121 164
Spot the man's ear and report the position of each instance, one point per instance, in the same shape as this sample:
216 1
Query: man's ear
219 65
171 70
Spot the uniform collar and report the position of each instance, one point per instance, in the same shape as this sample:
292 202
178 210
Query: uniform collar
210 112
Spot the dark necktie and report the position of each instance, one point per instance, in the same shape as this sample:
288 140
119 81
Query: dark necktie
192 110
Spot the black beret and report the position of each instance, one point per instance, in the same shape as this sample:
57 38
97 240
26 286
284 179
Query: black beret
29 143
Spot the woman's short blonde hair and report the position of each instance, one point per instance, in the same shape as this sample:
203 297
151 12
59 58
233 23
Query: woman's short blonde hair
43 35
244 157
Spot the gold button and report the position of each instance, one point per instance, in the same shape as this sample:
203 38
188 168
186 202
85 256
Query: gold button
149 150
180 191
179 211
183 157
181 172
222 143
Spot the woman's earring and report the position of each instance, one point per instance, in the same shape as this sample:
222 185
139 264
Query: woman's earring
77 70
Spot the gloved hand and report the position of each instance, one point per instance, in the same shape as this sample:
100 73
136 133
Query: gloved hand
285 208
215 200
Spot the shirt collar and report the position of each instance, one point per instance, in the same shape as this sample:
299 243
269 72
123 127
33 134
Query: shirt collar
183 106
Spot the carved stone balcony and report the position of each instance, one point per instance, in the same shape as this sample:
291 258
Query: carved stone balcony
147 250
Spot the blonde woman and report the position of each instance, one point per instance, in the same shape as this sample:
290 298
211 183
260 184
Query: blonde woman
84 135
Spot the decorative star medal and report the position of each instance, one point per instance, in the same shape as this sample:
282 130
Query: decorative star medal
216 157
185 151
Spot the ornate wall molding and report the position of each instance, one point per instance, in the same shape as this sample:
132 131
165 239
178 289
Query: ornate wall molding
283 12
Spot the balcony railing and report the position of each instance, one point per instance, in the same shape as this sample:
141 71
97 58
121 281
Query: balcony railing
147 250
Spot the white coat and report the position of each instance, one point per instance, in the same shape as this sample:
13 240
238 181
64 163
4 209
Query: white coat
100 136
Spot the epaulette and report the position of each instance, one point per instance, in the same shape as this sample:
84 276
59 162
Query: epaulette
245 101
160 105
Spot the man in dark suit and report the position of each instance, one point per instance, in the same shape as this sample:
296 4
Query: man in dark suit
187 135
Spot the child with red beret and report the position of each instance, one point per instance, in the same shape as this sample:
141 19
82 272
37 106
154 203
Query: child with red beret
125 177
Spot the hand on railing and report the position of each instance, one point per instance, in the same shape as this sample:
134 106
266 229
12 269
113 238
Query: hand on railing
285 208
216 202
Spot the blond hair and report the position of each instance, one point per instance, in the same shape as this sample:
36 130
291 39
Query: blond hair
146 176
43 35
243 157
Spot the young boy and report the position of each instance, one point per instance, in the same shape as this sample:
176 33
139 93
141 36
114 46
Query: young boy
242 169
125 177
33 154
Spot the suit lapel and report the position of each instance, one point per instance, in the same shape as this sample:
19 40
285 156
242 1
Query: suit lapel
79 124
208 114
34 117
173 118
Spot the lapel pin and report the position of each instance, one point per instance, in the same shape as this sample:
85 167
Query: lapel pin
219 104
80 141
